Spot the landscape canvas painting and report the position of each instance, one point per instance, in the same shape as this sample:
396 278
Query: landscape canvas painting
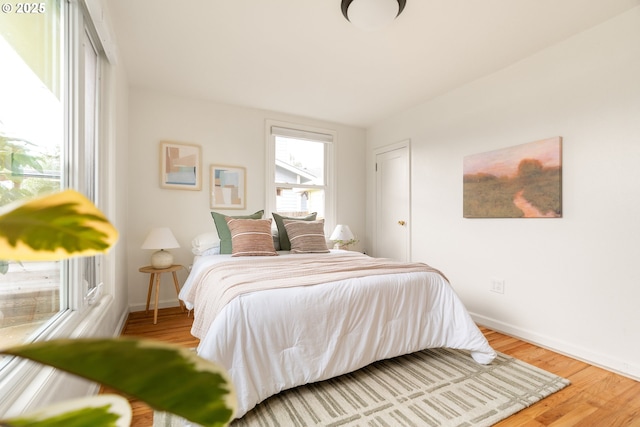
523 181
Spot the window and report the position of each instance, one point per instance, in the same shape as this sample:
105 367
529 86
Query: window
300 171
49 139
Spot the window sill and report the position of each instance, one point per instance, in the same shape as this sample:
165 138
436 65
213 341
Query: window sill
27 386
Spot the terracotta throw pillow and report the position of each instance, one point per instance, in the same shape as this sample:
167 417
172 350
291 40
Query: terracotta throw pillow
223 229
306 236
250 237
285 244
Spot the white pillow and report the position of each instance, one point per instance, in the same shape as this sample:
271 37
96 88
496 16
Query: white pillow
205 242
211 251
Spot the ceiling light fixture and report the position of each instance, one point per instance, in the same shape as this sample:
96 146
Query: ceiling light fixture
372 15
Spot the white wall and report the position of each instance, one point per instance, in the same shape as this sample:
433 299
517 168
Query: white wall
228 135
572 284
116 192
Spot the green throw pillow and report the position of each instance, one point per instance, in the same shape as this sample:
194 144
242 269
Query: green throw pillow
285 244
223 229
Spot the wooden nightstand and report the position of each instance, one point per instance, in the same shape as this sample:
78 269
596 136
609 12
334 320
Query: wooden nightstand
156 273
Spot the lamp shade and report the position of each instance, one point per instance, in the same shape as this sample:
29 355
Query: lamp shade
372 15
161 238
341 233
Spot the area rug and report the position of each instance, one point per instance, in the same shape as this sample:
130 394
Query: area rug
435 387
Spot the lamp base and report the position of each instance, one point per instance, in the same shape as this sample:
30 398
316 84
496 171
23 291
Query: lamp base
161 259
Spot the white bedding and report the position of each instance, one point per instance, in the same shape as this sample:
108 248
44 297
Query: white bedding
277 339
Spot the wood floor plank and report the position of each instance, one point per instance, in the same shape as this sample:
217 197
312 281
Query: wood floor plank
621 410
568 414
595 398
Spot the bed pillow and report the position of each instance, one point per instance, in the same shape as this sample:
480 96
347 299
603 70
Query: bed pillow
250 237
205 243
223 229
285 245
306 236
210 251
275 237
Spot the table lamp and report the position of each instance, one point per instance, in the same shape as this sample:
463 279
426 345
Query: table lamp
161 238
342 236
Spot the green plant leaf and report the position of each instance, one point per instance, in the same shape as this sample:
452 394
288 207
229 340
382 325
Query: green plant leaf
54 227
105 410
167 377
22 160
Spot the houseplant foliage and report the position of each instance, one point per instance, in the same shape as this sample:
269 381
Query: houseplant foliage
167 377
54 227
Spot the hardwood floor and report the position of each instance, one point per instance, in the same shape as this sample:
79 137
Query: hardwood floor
595 398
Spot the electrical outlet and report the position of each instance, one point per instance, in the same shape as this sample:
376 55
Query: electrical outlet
497 286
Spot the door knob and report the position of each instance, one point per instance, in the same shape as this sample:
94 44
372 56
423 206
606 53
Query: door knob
401 222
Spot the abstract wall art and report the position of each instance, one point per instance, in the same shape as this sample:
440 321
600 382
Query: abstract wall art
180 166
228 187
522 181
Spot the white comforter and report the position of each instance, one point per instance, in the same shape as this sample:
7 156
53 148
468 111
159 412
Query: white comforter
277 339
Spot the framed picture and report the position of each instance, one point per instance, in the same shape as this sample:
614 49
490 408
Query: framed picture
522 181
180 166
228 187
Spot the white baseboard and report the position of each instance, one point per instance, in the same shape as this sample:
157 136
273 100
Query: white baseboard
122 322
161 304
601 360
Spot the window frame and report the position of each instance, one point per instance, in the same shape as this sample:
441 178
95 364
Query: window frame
327 136
22 383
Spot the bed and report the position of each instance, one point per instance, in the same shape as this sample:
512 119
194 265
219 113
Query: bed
276 322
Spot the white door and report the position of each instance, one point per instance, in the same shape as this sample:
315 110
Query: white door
393 189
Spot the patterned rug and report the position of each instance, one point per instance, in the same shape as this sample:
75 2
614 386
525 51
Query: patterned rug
436 387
